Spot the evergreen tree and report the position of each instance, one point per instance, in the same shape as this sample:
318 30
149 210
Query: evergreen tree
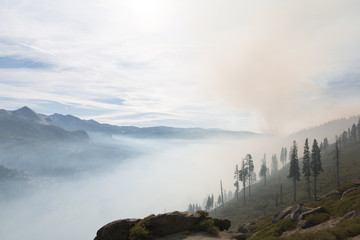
274 164
190 208
294 167
353 133
236 183
344 138
326 144
285 154
243 173
282 156
337 159
306 168
250 164
230 195
263 171
315 163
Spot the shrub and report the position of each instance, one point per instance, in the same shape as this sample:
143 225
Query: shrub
207 225
139 232
202 213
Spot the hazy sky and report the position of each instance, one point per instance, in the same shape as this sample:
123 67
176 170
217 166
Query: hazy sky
265 66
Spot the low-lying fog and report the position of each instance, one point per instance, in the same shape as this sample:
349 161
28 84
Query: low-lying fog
166 176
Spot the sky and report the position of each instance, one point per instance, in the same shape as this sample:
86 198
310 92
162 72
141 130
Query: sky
263 66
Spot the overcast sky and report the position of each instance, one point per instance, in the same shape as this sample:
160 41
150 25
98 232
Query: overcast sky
264 66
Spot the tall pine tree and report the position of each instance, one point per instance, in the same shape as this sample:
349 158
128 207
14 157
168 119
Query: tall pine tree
294 173
236 183
243 173
306 168
250 164
315 163
263 171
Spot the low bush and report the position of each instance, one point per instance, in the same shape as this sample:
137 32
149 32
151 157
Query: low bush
139 231
202 213
207 225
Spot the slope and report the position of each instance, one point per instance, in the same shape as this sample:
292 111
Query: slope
262 202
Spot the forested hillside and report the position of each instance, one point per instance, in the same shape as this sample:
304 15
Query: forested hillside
268 198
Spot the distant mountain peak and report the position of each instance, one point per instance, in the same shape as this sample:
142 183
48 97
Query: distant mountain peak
27 113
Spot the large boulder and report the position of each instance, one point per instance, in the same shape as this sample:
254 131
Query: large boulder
116 230
222 224
174 222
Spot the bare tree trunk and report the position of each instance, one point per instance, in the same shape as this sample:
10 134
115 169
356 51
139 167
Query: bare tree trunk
315 188
244 191
308 188
249 184
294 190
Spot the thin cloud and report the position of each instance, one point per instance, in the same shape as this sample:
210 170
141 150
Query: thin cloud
204 61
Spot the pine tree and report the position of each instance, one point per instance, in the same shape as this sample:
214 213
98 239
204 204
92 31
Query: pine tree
236 183
250 164
274 164
306 168
326 144
243 175
353 133
263 170
315 163
294 167
337 159
285 154
344 138
282 156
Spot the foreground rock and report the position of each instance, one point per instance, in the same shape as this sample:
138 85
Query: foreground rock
158 225
174 222
116 230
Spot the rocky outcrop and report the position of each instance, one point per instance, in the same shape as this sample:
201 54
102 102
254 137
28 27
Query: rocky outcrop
116 230
293 212
158 225
174 222
325 225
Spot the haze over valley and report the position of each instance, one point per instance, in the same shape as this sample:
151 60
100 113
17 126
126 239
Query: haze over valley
121 109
